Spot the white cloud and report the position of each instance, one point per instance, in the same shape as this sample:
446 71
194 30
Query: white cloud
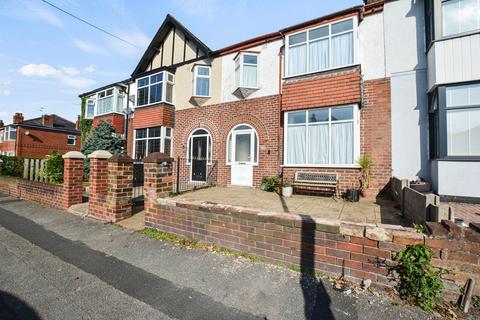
136 37
39 70
6 92
67 76
88 47
204 8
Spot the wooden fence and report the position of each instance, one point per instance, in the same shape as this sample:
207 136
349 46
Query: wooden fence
33 170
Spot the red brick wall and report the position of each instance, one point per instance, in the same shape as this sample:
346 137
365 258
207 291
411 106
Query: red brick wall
220 119
342 87
375 136
353 250
40 143
157 115
117 120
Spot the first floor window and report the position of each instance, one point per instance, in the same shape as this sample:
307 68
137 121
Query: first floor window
201 81
155 139
71 140
10 133
246 70
460 16
324 136
155 88
90 109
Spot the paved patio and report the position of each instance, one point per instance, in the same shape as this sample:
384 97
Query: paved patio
364 211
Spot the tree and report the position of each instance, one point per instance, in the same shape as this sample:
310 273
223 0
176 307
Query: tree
102 137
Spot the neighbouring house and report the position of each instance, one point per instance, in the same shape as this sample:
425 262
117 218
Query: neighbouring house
38 137
310 97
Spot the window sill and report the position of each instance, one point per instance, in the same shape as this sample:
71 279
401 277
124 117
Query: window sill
154 104
105 114
343 166
459 159
289 77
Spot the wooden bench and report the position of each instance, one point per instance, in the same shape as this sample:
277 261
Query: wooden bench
316 179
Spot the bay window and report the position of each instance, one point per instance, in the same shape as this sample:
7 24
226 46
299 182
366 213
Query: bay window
155 88
149 140
108 101
201 81
322 137
460 16
246 70
321 48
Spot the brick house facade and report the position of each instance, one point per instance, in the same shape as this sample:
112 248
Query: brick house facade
39 137
174 95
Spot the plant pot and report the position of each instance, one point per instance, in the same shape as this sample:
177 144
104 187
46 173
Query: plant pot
369 193
287 192
353 195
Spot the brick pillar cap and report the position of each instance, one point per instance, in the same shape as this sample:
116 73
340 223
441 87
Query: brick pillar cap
73 155
157 157
121 158
100 154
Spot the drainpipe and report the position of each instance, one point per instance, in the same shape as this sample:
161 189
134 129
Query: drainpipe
127 112
280 65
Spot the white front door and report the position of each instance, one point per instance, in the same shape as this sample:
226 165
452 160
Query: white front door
242 158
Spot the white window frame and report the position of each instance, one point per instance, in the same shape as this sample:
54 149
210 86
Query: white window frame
239 61
196 75
307 41
356 138
253 146
116 107
163 137
460 32
209 145
8 131
165 79
1 135
94 108
72 137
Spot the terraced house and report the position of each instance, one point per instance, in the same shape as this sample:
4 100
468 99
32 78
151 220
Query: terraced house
310 97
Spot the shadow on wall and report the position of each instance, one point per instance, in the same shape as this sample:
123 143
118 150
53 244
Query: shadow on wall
316 299
11 307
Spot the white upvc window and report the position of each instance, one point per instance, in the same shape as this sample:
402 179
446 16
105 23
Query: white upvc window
71 140
90 109
328 136
321 48
246 75
155 88
1 136
108 101
149 140
459 16
201 81
10 133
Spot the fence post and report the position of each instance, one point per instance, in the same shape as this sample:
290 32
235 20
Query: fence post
32 163
120 187
177 180
25 168
37 170
158 181
98 183
72 178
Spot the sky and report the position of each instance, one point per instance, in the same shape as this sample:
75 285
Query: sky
48 58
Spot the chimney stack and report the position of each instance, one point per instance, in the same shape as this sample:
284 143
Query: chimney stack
2 124
18 118
47 120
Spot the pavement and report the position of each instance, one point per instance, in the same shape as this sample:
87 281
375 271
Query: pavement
365 211
56 265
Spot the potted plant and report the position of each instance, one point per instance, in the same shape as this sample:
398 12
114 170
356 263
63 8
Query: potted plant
353 194
287 189
365 163
269 184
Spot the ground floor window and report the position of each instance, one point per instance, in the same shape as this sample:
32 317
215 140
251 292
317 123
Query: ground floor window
455 121
323 136
149 140
71 140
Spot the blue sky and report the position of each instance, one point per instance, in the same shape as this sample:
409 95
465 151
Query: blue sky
48 58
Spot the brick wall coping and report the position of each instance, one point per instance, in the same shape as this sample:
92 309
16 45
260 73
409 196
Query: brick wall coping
378 232
73 155
100 154
157 157
120 158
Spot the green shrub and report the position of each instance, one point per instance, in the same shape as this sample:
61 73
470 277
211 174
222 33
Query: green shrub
11 166
270 184
420 282
54 167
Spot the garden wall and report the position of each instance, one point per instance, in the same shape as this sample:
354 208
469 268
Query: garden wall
356 251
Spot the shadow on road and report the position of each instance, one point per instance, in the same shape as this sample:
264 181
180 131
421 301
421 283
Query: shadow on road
316 299
12 307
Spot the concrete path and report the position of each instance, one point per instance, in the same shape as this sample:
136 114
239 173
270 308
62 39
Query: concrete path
55 265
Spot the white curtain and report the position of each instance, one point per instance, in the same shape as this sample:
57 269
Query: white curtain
297 59
296 145
463 132
249 76
105 105
203 86
342 50
318 144
342 143
319 59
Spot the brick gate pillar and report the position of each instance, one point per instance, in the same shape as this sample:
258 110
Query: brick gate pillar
158 178
72 178
98 183
120 182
